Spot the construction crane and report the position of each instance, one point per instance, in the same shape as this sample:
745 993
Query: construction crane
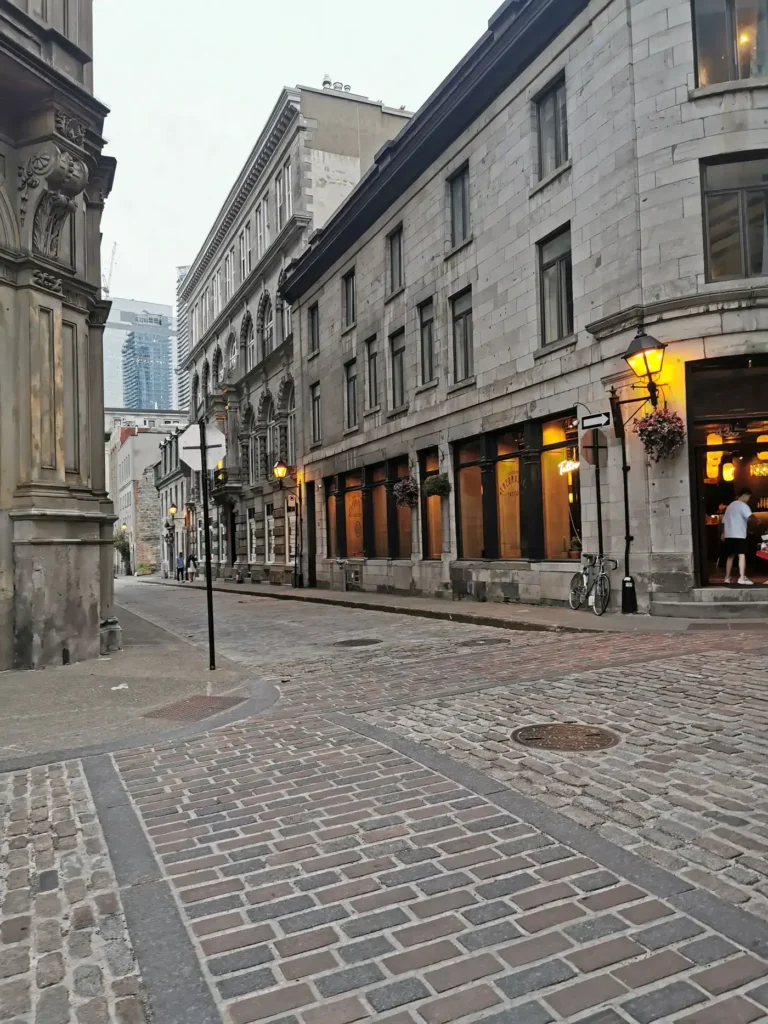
106 279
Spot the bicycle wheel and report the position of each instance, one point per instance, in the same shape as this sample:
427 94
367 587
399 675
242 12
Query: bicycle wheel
578 592
602 594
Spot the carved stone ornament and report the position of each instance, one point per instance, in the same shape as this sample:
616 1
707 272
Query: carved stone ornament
66 177
70 128
48 281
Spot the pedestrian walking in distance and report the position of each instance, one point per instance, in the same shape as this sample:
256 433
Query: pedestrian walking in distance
191 567
735 521
180 568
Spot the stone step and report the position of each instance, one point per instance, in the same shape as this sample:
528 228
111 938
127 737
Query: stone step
758 594
745 610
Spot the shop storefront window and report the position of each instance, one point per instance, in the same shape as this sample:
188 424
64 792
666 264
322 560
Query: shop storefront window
560 488
379 511
470 501
353 515
330 506
269 533
404 518
432 507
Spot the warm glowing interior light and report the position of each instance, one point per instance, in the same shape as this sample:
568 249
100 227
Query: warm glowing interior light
729 472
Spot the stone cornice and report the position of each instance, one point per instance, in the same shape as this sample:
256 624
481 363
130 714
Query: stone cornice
296 224
284 113
517 34
719 301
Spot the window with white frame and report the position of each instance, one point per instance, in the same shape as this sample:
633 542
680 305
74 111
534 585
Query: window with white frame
243 257
248 254
265 207
395 259
279 201
348 298
232 355
316 413
250 347
290 529
232 271
287 320
313 323
553 128
267 328
254 458
259 232
205 310
290 430
731 40
461 310
288 185
350 394
216 291
220 288
459 198
252 535
273 438
227 280
269 534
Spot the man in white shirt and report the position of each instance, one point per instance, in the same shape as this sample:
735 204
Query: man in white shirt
735 521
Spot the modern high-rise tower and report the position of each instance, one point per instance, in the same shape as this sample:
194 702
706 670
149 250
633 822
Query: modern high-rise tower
182 343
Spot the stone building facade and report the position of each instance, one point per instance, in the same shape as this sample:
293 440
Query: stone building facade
55 517
590 168
315 147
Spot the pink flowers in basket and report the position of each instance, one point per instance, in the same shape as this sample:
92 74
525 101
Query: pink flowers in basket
662 433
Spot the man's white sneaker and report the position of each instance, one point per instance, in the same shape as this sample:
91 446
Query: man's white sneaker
727 581
744 582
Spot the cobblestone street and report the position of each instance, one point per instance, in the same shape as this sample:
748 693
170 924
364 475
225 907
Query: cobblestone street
375 846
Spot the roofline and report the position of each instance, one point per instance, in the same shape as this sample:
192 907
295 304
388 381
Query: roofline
518 32
340 94
277 125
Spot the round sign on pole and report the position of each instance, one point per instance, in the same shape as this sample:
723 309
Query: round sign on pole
592 439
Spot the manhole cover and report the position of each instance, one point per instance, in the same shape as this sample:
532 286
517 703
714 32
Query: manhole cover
480 641
195 708
356 642
565 736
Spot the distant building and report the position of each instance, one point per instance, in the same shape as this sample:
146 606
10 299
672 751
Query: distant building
182 342
159 421
127 316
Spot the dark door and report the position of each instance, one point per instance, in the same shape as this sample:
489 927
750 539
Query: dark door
309 497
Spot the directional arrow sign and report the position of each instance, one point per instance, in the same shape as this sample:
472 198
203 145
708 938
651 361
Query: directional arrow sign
189 447
598 419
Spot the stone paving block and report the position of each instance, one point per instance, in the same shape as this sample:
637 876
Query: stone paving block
389 997
532 979
663 1002
585 994
732 974
459 1004
734 1011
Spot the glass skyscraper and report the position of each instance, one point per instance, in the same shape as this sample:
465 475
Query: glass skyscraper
139 355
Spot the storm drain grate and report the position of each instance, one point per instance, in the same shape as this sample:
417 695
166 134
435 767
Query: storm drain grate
356 642
484 641
195 708
565 736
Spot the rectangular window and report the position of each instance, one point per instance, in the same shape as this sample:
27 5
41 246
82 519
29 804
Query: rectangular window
397 348
459 195
508 446
553 129
225 281
462 336
330 517
259 232
560 488
313 317
288 190
431 507
395 259
279 201
243 257
232 271
556 287
314 402
217 293
731 40
372 372
353 515
269 534
248 254
470 488
348 298
736 212
404 517
252 534
350 382
427 339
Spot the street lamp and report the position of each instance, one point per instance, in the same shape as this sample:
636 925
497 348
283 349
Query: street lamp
645 357
280 470
123 527
172 510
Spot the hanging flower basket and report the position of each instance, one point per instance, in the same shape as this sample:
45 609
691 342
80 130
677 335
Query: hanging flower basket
437 486
662 434
406 492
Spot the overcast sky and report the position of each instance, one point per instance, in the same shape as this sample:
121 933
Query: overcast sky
190 84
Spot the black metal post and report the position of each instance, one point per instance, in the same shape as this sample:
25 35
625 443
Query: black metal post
207 531
598 492
628 592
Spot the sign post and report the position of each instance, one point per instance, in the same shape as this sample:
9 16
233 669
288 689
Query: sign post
202 457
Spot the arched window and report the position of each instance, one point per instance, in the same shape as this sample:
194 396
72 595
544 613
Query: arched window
232 355
267 328
206 378
218 366
287 323
250 347
290 428
273 437
195 392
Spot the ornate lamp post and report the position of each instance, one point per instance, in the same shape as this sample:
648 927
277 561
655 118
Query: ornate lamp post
280 471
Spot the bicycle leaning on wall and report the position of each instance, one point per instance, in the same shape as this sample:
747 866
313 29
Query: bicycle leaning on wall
592 583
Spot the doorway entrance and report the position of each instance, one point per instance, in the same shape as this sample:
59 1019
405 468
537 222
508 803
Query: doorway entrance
728 430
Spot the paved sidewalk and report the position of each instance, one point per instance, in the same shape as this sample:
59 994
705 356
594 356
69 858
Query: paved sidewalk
485 613
109 700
